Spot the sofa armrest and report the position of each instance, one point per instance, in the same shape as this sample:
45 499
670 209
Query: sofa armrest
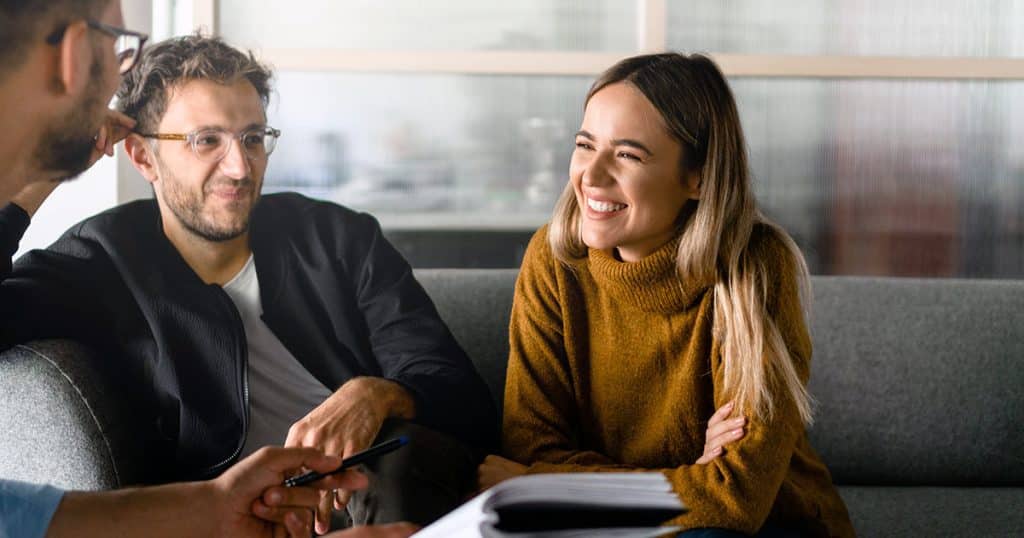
61 422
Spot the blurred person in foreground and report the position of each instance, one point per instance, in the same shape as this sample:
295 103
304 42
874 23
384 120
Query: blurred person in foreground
60 63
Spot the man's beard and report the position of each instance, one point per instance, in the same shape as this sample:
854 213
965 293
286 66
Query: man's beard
66 146
188 209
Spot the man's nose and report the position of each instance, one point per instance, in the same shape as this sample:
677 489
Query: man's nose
235 163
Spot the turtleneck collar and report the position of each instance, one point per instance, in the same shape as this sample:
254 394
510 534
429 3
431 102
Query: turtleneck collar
652 284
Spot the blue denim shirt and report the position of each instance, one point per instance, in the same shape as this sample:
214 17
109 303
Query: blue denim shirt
26 509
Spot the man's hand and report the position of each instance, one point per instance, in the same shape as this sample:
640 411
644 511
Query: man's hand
250 500
346 423
393 530
116 127
721 431
246 501
497 469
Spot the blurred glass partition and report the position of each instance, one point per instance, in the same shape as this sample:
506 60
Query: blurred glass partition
472 149
892 177
979 28
578 25
885 136
900 177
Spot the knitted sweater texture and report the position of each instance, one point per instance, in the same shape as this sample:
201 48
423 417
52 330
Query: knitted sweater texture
614 367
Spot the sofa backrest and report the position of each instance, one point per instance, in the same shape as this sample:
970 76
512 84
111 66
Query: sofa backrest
916 381
476 305
59 422
919 381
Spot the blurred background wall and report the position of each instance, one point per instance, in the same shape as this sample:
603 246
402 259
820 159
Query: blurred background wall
886 136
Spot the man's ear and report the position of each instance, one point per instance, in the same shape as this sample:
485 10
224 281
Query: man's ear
142 156
76 58
692 183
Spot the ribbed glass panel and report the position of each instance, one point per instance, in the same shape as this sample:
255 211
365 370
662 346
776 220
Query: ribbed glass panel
849 27
894 177
576 25
914 178
442 143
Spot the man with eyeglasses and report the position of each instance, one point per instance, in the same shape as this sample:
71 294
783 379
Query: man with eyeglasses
60 62
244 320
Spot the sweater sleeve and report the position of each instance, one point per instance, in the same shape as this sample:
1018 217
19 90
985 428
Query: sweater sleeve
540 422
414 346
738 489
735 491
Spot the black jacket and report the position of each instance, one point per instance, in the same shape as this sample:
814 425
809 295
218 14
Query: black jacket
340 298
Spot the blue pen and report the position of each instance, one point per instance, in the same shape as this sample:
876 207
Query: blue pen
355 459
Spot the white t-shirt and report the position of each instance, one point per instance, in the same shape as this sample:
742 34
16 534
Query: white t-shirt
281 390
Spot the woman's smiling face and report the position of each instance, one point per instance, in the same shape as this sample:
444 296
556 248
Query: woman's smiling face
626 172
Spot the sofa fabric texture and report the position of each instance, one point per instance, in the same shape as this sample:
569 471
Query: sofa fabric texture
919 389
60 423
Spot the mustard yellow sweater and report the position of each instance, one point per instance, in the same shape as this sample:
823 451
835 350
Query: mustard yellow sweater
613 367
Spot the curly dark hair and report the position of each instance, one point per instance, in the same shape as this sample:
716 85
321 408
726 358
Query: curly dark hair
24 21
165 65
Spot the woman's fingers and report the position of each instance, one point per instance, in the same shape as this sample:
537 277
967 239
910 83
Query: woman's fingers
724 427
721 431
725 437
709 456
721 413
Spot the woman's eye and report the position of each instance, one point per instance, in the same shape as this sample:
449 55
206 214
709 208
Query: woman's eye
629 156
209 140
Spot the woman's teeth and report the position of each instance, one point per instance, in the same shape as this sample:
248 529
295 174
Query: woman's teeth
604 207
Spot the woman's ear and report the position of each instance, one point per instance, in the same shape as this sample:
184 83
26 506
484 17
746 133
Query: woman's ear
142 157
76 59
693 183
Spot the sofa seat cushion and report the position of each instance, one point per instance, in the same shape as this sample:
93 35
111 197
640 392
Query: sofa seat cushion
935 511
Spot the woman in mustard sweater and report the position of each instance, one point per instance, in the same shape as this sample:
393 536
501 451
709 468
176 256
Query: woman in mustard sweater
657 294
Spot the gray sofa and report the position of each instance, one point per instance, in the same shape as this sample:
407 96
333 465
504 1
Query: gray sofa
919 387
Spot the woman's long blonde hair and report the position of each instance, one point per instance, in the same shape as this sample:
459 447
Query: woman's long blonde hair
699 110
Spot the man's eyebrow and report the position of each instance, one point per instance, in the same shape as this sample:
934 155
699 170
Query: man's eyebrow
254 125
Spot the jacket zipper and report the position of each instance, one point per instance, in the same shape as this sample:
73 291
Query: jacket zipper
243 354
